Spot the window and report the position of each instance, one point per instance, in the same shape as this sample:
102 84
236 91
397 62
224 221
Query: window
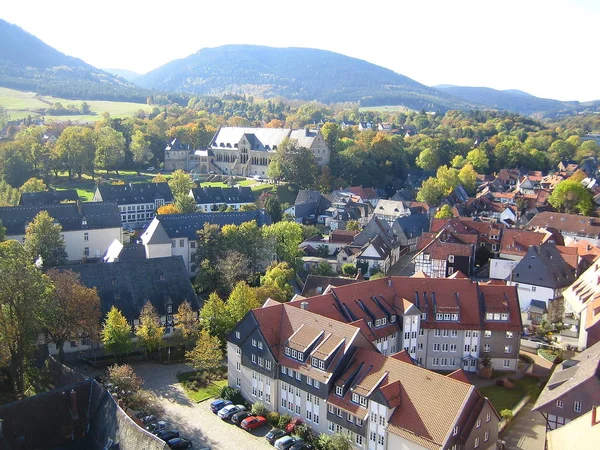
338 412
455 431
488 417
181 242
238 351
261 361
455 317
453 333
421 332
437 333
268 364
506 363
316 384
467 348
193 244
445 333
508 349
298 376
309 381
423 316
372 436
86 251
283 370
237 334
86 237
504 316
444 347
355 397
339 390
453 347
253 342
238 382
381 440
350 418
359 422
489 316
509 335
435 361
436 347
487 334
358 439
253 358
478 424
260 344
532 288
577 406
321 365
450 258
486 348
420 346
486 436
559 403
468 333
476 442
316 418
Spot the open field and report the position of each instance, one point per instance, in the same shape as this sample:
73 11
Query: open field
20 104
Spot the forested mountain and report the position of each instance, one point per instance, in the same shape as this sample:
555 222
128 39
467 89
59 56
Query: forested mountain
516 101
294 73
27 63
129 75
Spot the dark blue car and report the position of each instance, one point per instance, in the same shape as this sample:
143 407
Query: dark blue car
219 404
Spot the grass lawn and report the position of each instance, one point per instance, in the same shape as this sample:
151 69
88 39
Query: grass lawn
20 104
198 388
508 398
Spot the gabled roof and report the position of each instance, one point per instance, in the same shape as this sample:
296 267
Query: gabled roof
570 375
49 197
391 208
129 284
516 241
412 226
543 265
569 223
364 193
71 216
155 234
317 284
134 193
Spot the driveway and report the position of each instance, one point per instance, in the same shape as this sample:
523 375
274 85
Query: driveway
527 432
195 421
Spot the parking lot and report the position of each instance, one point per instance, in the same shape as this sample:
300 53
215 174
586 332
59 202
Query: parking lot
195 421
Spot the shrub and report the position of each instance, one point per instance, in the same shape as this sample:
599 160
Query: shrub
291 427
506 414
305 432
232 394
258 409
283 421
273 419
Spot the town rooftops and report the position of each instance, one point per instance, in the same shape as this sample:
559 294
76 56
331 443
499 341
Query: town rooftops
128 285
265 139
134 193
71 216
516 241
49 197
186 225
544 265
412 226
571 374
391 208
568 223
216 195
364 193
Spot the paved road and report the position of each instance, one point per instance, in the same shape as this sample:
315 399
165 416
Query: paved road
527 432
195 421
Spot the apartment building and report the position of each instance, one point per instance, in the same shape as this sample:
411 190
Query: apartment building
329 374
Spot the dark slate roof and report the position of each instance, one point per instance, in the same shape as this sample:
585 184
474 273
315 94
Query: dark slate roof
125 194
132 252
537 306
69 215
238 195
48 197
413 225
186 225
214 195
306 196
129 284
176 144
543 265
316 284
305 209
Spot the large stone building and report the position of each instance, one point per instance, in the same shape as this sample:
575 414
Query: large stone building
243 151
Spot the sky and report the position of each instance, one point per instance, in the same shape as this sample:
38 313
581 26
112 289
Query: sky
548 48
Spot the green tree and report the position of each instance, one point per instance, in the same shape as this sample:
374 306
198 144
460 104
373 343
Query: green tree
181 183
349 270
215 318
277 282
445 212
24 301
34 185
185 204
140 150
353 225
478 159
150 332
75 151
246 239
74 310
207 354
458 162
428 159
572 198
293 163
234 267
186 322
273 208
159 178
241 300
284 238
124 378
110 149
43 238
324 269
116 333
431 192
447 178
468 178
2 232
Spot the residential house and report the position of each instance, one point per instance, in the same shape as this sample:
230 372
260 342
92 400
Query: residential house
49 197
572 227
508 178
365 126
308 205
364 195
535 313
443 324
137 202
572 390
87 228
375 256
514 245
211 198
408 229
328 374
569 167
550 181
542 274
390 210
528 184
333 242
582 433
128 285
175 234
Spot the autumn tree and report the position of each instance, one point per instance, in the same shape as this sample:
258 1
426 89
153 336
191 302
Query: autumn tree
75 151
43 238
468 178
110 149
159 178
34 185
275 284
116 333
215 318
445 212
181 183
169 208
74 311
207 354
25 294
241 300
430 192
447 178
186 322
571 197
140 150
150 332
123 377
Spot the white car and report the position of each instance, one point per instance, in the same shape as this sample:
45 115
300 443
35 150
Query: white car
230 410
150 169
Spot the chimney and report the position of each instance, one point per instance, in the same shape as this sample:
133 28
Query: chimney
304 306
79 207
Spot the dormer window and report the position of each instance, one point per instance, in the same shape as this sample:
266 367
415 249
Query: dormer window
489 316
455 317
294 354
423 316
393 318
504 316
83 222
339 391
450 258
169 309
314 362
287 351
439 316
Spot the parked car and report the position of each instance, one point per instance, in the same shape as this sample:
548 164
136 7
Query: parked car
229 410
275 434
157 426
179 443
147 420
301 446
219 404
239 416
150 169
286 442
253 422
167 435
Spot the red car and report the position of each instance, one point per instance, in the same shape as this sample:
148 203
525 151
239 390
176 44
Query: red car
253 422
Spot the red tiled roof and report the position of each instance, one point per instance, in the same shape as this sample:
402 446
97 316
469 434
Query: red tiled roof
459 375
570 223
516 241
364 193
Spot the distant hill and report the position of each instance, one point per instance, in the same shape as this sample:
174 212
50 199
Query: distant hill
123 73
294 73
27 63
516 101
